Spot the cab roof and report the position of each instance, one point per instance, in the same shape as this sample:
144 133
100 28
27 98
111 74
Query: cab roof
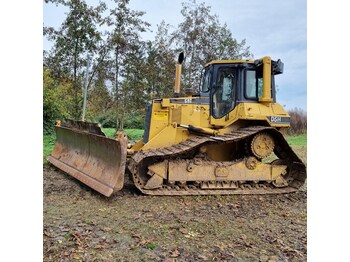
229 62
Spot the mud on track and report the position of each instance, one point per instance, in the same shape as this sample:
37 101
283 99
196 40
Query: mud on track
82 225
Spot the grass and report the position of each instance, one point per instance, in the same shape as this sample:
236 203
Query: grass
49 143
297 140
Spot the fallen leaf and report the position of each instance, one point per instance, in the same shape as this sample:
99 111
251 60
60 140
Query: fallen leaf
202 257
247 244
221 246
106 229
48 234
278 241
175 253
273 259
234 205
136 236
183 230
64 229
141 241
193 234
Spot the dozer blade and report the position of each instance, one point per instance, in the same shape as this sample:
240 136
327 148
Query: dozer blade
83 151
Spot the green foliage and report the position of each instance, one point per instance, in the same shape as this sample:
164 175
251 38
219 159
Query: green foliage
126 62
54 101
126 72
159 64
68 235
76 37
134 120
49 143
107 120
130 120
51 109
150 246
100 100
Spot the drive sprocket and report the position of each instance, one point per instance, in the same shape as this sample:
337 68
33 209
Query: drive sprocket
262 145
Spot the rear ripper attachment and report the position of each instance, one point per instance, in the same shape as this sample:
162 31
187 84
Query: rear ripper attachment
196 166
83 151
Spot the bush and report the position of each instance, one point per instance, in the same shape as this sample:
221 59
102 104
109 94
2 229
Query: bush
56 101
134 121
107 120
53 108
298 122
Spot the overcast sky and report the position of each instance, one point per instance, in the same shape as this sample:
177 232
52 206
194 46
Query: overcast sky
272 27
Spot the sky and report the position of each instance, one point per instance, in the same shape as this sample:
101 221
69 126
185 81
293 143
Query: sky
271 28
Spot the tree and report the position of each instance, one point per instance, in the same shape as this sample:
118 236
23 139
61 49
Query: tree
77 36
127 72
160 64
124 39
100 99
298 121
203 38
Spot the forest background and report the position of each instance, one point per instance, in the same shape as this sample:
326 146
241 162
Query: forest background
125 71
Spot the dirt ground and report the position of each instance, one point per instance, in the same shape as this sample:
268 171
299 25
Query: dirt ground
82 225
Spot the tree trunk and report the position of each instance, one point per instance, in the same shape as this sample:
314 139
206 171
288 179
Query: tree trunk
75 84
116 85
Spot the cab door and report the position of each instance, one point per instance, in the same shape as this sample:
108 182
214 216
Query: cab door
224 92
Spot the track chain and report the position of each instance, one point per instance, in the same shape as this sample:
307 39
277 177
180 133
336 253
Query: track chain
295 176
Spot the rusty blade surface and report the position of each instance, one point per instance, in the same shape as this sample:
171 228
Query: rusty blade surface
92 128
97 161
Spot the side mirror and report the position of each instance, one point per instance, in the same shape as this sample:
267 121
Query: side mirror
277 67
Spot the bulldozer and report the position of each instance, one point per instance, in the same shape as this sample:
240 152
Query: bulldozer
225 139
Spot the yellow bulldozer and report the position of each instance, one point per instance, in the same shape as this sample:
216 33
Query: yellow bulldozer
226 139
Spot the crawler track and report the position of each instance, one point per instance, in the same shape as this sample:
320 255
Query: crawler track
296 171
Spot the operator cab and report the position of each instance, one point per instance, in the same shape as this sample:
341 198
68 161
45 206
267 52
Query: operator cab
230 82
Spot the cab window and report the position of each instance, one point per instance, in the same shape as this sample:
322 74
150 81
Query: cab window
206 80
253 85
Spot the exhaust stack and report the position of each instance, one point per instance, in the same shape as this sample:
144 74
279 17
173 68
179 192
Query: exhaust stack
178 74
